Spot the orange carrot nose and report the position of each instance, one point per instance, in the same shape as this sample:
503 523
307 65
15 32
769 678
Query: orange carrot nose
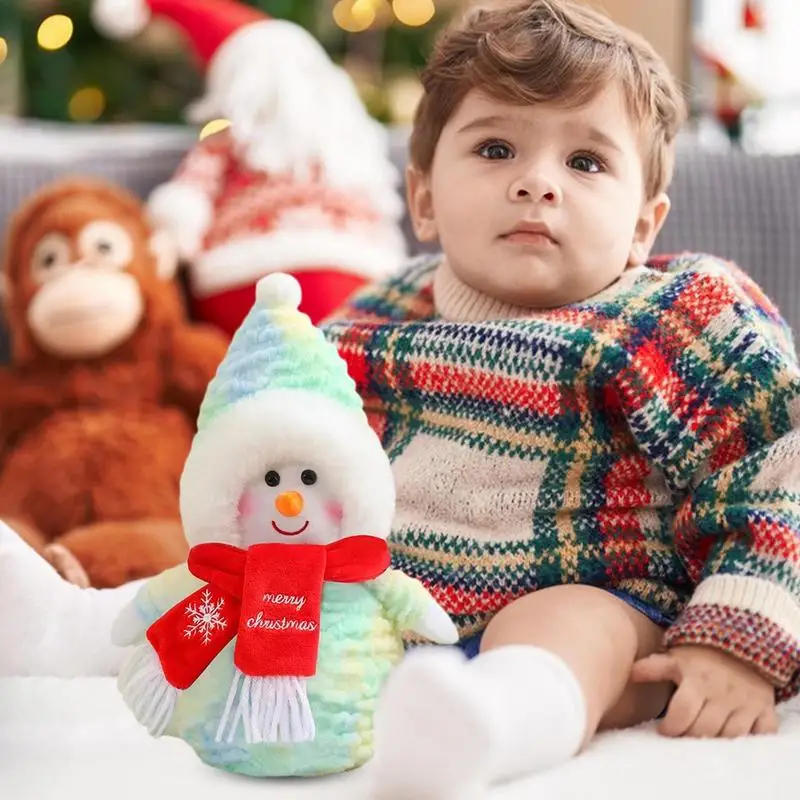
290 504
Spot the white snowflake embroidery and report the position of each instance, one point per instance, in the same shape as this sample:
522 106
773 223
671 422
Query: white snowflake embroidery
206 618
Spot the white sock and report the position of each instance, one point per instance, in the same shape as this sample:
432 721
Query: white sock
51 627
538 705
447 728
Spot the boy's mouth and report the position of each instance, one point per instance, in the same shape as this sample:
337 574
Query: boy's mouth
530 233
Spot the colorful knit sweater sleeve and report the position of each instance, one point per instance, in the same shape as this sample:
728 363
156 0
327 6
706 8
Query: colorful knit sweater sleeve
402 297
397 298
707 377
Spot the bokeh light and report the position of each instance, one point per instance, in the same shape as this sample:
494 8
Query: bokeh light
354 17
55 32
414 12
87 105
215 126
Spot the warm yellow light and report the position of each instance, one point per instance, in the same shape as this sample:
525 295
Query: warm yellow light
404 94
55 32
3 49
87 105
215 126
414 12
354 16
363 12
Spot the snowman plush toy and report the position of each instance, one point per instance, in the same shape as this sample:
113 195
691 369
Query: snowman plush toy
267 650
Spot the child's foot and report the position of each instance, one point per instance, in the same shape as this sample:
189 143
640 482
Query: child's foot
433 732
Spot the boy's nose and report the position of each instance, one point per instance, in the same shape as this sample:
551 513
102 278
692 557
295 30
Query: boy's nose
290 504
537 187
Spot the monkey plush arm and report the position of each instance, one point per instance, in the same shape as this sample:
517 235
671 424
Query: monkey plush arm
196 352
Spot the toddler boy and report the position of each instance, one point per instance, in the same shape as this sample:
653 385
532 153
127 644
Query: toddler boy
597 457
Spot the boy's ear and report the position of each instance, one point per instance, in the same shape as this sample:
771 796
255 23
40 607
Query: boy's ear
420 204
648 225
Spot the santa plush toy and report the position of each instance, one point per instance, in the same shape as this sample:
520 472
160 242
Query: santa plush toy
301 181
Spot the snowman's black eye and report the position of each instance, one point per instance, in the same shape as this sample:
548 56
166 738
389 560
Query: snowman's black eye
309 477
272 478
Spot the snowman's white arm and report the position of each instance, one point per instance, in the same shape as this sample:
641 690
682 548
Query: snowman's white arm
410 607
435 625
154 597
129 626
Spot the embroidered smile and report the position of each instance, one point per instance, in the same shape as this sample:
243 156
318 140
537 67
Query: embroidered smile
289 533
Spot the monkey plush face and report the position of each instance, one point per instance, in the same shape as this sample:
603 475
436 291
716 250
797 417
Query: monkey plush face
81 266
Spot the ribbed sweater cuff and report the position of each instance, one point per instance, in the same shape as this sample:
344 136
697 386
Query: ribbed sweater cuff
751 619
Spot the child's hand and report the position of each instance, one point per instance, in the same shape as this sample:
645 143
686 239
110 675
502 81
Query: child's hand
717 695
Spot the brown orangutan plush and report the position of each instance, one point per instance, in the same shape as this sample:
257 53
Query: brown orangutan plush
98 406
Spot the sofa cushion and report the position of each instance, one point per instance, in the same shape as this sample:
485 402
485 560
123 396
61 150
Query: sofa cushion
743 207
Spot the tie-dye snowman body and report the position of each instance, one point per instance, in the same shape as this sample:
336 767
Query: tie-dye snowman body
283 454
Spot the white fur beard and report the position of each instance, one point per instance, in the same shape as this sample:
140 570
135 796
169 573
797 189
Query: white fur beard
275 149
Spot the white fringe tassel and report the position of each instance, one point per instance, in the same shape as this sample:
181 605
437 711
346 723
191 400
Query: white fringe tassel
274 710
146 691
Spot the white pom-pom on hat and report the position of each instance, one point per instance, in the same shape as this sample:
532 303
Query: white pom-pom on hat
120 19
279 290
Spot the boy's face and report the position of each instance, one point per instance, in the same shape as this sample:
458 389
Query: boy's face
538 206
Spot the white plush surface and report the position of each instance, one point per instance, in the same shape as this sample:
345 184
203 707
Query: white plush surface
75 738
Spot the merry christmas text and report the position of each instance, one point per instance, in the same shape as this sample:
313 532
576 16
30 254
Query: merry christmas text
298 601
259 621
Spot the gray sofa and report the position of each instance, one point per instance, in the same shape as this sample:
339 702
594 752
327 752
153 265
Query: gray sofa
739 206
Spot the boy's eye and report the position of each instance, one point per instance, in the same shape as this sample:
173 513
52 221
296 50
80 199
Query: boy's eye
585 163
495 151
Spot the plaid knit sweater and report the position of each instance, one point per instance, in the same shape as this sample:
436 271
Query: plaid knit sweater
646 439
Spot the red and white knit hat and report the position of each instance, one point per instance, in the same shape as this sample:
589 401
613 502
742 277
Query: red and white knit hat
207 23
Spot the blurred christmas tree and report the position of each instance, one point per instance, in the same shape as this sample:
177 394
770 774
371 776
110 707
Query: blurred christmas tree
54 65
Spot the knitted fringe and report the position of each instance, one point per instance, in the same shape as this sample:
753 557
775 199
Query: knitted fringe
274 710
148 693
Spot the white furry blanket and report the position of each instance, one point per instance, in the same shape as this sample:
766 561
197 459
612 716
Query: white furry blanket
75 738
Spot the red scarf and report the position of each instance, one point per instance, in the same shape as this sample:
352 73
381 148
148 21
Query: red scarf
269 595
